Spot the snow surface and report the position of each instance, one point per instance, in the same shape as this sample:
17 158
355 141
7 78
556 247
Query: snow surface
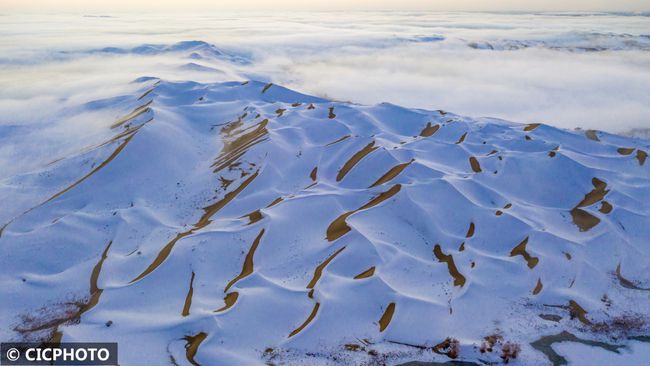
244 223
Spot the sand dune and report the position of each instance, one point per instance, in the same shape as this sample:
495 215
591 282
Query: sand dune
245 223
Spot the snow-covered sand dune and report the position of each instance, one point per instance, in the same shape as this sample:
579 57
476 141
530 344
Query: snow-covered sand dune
244 223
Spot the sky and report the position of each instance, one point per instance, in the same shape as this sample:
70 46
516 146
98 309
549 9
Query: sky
11 6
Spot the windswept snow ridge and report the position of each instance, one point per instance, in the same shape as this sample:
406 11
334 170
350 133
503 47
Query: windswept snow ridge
571 41
197 50
244 223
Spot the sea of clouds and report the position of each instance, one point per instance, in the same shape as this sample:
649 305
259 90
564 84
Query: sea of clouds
568 70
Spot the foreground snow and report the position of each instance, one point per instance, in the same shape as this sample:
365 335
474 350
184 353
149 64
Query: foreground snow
244 223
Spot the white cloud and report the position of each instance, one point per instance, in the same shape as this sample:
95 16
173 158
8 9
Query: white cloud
413 59
607 91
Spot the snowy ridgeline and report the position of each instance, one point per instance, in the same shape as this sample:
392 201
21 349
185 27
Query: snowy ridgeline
244 223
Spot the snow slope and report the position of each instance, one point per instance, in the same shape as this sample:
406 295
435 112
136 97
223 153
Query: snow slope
244 223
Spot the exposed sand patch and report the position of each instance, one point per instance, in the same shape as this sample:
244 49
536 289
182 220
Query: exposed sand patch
392 173
318 272
470 230
596 195
355 159
385 319
459 279
188 297
331 114
583 219
314 174
338 140
531 126
309 319
473 162
254 217
266 87
247 268
591 135
520 249
429 130
229 300
134 114
538 287
365 274
641 156
625 150
606 207
339 227
192 346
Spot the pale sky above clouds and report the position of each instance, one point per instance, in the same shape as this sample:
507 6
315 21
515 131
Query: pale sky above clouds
320 5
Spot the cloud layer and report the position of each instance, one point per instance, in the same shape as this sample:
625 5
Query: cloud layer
567 70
